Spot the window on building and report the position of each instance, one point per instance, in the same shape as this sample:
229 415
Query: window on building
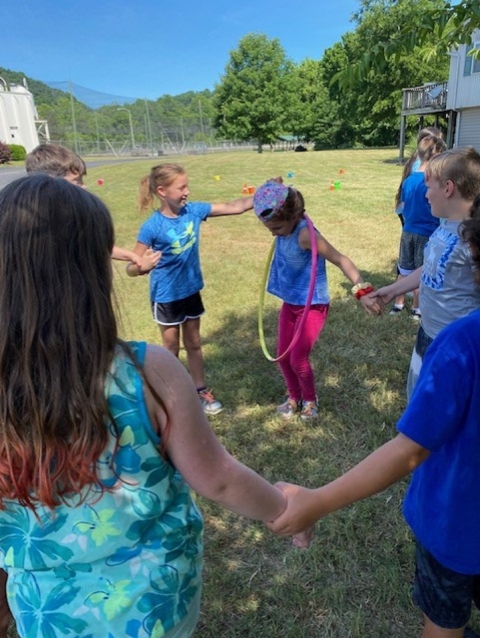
476 61
472 65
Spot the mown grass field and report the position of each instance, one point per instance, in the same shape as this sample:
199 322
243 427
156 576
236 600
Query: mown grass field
355 579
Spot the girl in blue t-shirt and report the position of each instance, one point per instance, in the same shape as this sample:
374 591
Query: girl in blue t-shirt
176 280
281 209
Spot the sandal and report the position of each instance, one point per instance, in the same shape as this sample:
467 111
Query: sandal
288 409
309 411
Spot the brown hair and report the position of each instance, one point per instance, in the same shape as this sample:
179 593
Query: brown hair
57 341
428 145
470 233
293 208
161 175
54 160
461 166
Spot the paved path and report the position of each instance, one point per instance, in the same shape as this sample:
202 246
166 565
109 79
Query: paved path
9 173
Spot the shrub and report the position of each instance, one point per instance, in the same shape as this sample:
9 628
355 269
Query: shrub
17 152
5 155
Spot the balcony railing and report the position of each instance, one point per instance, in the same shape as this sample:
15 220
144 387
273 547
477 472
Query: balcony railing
427 98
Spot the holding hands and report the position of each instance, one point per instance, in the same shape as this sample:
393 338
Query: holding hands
373 304
384 295
144 262
149 260
299 516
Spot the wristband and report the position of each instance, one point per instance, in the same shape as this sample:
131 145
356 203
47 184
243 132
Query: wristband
360 286
364 291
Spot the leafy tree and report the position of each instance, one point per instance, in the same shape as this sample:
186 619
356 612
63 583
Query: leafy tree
313 114
431 33
253 99
369 104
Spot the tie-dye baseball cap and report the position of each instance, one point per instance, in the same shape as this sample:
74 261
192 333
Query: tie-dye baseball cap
268 200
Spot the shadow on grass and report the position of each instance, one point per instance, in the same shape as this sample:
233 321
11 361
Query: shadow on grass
255 583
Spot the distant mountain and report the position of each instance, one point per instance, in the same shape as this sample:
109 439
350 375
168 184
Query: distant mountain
173 120
40 91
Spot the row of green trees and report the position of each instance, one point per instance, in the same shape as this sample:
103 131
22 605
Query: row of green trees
349 97
263 93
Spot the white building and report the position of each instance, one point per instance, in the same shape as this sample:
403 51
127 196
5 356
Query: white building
464 94
19 123
454 103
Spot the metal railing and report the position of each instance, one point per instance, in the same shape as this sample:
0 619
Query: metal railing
429 97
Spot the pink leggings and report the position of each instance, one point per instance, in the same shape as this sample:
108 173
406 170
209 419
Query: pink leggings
296 367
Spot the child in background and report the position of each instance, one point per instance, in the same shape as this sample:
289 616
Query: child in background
438 440
99 439
448 289
176 280
418 221
58 161
411 166
280 208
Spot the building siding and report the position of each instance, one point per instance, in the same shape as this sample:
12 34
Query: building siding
468 129
463 85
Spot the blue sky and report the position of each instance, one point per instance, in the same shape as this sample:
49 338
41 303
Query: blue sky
149 48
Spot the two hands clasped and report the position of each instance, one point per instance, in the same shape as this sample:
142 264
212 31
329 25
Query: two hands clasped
375 302
302 511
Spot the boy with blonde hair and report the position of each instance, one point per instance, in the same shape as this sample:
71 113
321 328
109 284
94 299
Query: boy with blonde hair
448 289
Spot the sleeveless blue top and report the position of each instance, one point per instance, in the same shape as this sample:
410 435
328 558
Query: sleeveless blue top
291 269
127 564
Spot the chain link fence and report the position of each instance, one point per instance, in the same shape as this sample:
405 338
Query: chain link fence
94 123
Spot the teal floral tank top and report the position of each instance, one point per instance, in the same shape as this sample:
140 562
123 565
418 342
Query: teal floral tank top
125 566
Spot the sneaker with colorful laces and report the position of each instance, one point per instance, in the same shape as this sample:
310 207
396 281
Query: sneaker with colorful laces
288 409
309 411
209 403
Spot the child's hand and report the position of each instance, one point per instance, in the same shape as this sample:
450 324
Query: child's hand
304 539
278 179
149 260
297 520
385 295
372 305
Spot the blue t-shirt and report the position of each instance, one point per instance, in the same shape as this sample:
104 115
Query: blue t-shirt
442 505
415 166
416 209
291 270
178 273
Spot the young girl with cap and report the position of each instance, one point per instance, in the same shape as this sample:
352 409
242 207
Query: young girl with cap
281 209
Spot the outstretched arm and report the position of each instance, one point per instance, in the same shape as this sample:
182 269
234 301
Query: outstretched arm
399 287
344 263
331 254
123 254
194 449
235 207
382 468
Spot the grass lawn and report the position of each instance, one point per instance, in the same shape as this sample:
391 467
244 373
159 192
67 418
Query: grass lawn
355 579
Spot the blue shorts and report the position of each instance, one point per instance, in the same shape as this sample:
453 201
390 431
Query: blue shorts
444 596
173 313
412 246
